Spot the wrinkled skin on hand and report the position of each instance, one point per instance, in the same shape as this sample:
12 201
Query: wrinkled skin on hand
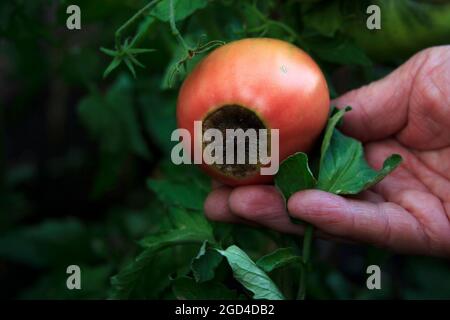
407 112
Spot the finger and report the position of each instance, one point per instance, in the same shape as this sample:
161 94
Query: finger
250 207
412 174
380 109
216 206
265 206
381 224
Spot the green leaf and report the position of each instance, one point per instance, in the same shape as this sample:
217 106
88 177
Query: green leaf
130 66
338 50
250 275
186 288
178 194
336 117
113 65
173 237
191 220
108 52
112 120
53 286
129 278
426 277
158 115
47 244
135 61
204 264
294 175
143 30
140 50
278 259
175 68
326 18
343 168
182 9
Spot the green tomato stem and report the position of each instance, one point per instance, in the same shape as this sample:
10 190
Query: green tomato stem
130 21
306 253
174 28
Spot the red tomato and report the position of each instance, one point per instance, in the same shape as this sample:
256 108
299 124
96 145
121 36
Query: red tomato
272 79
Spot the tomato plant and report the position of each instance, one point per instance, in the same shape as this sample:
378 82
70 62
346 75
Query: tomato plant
86 118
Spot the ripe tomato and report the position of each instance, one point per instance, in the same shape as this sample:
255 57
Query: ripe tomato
256 83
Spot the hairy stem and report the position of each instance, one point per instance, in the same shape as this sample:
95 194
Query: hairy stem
133 19
173 27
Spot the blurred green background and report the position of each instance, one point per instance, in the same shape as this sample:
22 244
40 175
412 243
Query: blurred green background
84 167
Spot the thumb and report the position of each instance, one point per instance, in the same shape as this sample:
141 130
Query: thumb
380 224
380 109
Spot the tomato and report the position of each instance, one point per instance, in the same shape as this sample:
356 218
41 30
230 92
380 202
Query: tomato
256 83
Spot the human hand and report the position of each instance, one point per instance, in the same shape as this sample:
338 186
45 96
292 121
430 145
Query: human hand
408 113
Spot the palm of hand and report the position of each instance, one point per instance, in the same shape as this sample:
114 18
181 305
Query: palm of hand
417 194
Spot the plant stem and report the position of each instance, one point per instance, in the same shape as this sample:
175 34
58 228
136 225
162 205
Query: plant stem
302 283
306 253
173 27
130 21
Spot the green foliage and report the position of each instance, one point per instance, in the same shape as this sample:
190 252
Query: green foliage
278 259
183 9
112 203
204 264
343 169
45 245
294 175
178 194
250 275
112 120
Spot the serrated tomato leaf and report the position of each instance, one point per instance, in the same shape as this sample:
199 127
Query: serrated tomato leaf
278 259
129 277
178 194
326 18
194 221
204 264
335 119
250 275
182 9
294 175
343 168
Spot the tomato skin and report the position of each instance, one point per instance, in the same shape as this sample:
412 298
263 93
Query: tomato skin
276 80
